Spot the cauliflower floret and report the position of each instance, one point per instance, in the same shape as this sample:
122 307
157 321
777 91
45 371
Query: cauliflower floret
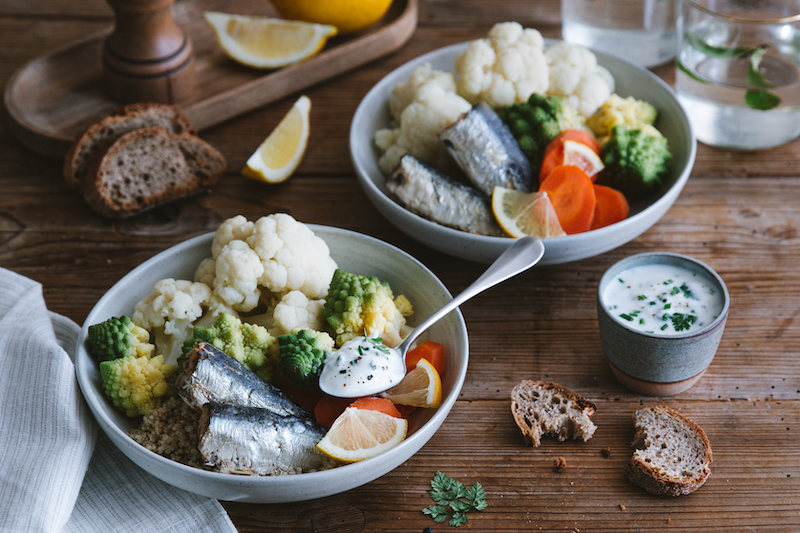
237 228
617 110
293 257
505 68
297 311
421 108
206 271
576 76
169 310
238 269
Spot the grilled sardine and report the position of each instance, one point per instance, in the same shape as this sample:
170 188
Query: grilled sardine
429 193
210 375
253 441
487 151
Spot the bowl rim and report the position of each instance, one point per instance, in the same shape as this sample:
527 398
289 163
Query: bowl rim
92 396
635 260
668 195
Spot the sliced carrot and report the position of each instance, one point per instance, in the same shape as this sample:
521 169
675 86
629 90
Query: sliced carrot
430 350
554 153
572 194
329 408
374 403
611 206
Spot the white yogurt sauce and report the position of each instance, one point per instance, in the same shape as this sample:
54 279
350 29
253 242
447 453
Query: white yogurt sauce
663 299
362 366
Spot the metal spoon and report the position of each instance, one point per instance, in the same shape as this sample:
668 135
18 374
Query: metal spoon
519 257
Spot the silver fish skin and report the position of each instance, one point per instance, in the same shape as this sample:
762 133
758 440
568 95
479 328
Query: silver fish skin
430 194
252 441
487 151
210 375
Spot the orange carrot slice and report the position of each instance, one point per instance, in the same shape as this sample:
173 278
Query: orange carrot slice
430 350
611 206
572 195
374 403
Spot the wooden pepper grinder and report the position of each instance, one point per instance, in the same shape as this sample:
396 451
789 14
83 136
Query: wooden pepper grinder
147 57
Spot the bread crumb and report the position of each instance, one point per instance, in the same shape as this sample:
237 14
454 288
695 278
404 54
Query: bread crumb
622 507
561 464
606 451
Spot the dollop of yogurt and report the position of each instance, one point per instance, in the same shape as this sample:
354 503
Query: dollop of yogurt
361 367
663 299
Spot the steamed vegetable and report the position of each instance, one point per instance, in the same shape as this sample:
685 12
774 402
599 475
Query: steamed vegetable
635 160
118 337
302 355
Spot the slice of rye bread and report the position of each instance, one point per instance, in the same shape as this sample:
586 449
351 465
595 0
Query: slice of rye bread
99 136
148 167
546 408
673 455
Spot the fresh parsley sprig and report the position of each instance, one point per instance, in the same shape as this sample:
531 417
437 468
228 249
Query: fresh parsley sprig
453 496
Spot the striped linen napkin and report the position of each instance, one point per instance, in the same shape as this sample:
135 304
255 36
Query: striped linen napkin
56 473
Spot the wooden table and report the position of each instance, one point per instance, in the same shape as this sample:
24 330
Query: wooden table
738 213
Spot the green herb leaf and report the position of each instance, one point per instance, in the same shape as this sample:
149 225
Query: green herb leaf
761 100
687 293
682 322
377 342
451 495
683 68
753 75
696 42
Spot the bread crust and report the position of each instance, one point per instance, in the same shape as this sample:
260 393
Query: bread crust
652 476
117 190
531 407
98 137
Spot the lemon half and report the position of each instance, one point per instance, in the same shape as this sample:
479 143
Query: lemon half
422 387
583 157
359 434
281 152
521 214
264 42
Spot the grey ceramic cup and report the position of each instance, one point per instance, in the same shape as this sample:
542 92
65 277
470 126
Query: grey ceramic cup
659 364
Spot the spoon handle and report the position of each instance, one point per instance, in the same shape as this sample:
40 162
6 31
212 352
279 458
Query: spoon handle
519 257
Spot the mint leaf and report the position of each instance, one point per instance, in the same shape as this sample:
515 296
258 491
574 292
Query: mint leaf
761 99
696 42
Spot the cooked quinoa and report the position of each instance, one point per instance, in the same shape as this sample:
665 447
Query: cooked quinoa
171 431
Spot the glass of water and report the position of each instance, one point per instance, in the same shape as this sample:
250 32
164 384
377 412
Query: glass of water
641 31
738 71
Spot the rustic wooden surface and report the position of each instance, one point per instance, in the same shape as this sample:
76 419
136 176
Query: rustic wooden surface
738 213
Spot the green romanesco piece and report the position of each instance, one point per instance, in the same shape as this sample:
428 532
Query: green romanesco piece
118 337
250 344
537 122
362 305
136 384
302 355
635 160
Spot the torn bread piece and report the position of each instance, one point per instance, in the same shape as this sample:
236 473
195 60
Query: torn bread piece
672 456
546 408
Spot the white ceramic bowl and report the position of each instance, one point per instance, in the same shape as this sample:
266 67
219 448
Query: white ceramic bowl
373 114
353 252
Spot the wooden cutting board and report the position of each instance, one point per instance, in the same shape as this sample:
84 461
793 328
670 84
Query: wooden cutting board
54 97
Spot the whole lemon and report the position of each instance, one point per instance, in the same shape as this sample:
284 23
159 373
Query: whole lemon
347 15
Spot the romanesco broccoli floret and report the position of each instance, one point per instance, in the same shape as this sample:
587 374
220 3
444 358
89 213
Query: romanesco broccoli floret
635 160
118 337
136 384
250 344
361 305
537 122
302 355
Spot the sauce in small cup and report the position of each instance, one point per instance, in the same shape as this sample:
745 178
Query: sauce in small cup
661 318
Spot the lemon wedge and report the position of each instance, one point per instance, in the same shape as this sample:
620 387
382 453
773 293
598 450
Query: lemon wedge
422 387
281 152
583 157
359 434
521 214
263 42
347 15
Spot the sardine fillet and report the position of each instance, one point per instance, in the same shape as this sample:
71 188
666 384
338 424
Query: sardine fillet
253 441
210 375
429 193
487 151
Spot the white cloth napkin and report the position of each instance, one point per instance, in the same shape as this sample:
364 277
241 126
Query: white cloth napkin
52 476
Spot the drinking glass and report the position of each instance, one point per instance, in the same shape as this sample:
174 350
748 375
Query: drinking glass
738 71
641 31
